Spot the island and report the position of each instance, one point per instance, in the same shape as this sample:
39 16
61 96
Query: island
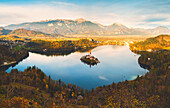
90 60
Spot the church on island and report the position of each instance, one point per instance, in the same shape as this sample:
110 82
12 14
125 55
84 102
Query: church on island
89 59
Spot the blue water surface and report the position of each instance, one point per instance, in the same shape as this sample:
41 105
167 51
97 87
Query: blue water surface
117 63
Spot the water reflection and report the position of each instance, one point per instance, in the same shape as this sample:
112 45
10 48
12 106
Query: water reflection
89 60
90 64
116 62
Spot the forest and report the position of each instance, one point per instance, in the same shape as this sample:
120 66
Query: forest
60 47
150 90
10 53
33 88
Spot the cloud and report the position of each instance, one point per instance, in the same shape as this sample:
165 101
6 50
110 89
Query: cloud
103 78
63 3
156 19
12 14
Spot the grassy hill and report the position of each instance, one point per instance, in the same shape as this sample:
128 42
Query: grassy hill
150 44
20 34
30 33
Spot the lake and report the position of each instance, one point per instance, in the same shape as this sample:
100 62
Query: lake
117 63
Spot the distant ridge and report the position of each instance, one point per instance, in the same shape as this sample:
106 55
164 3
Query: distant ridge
82 26
30 33
4 31
21 32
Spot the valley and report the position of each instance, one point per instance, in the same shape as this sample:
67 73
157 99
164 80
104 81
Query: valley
41 67
49 92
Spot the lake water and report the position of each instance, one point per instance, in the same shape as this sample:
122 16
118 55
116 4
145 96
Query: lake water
117 63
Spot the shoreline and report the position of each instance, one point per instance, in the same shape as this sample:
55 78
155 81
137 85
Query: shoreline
13 63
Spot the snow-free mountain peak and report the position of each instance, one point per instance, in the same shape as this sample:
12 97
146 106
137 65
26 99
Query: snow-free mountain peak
82 26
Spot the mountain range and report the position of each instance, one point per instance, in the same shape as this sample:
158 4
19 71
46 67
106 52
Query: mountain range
84 27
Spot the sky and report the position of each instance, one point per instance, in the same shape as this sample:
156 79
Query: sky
132 13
